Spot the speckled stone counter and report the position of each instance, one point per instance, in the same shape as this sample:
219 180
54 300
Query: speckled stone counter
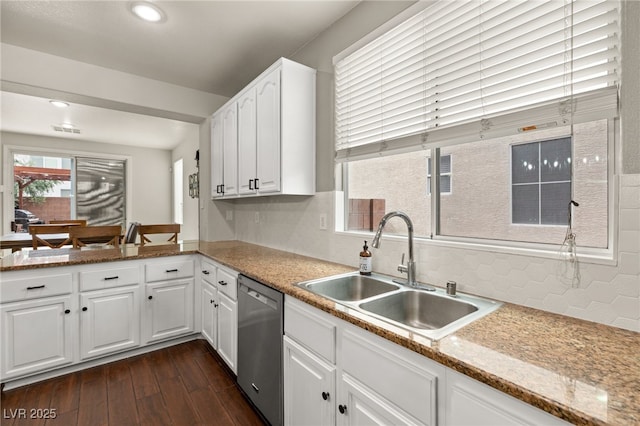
34 259
580 371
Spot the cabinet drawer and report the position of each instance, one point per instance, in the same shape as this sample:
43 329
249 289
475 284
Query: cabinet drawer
108 278
310 327
227 283
35 286
395 373
208 271
169 270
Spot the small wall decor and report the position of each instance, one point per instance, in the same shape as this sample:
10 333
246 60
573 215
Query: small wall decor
194 185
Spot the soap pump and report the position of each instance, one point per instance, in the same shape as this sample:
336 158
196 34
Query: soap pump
365 260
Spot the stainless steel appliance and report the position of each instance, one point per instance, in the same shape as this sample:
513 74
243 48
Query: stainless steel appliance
260 330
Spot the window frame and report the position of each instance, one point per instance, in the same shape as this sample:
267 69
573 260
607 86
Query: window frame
601 256
539 183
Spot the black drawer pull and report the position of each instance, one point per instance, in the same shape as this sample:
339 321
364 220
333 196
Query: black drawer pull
251 184
325 395
67 311
206 272
150 297
171 270
255 182
111 278
35 287
84 309
342 408
222 282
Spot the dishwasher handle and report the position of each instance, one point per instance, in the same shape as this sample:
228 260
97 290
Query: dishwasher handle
259 297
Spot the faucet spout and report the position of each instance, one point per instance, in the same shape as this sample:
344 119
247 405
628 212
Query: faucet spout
410 268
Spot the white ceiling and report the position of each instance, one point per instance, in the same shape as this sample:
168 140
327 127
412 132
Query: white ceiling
213 46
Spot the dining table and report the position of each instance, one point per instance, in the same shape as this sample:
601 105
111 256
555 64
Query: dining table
16 241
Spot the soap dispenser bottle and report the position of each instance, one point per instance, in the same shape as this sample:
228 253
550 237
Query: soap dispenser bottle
365 260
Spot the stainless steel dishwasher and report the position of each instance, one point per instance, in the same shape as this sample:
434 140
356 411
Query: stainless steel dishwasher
260 330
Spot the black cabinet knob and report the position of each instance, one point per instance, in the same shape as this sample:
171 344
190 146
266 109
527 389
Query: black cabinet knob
325 395
206 272
342 408
84 309
150 297
67 311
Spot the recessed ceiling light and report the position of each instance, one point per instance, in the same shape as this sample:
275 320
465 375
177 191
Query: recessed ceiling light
59 104
147 11
67 126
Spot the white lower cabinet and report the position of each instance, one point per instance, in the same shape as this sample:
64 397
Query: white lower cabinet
219 310
169 309
109 321
228 330
469 402
380 382
309 387
208 307
362 406
37 335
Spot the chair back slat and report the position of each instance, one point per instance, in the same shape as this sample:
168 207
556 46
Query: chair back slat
83 235
37 230
81 222
171 228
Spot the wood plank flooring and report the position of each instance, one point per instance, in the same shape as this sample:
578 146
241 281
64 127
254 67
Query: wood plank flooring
182 385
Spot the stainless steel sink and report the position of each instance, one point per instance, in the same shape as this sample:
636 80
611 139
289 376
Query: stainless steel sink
432 314
350 287
420 309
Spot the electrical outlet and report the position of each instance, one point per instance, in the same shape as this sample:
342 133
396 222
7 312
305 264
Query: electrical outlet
323 221
257 217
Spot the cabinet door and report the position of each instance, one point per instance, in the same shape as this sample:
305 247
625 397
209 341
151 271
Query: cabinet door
217 156
228 330
209 314
359 405
36 335
169 309
268 132
471 403
247 142
109 321
309 387
230 150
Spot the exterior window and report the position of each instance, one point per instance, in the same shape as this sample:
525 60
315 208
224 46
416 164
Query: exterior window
541 182
445 175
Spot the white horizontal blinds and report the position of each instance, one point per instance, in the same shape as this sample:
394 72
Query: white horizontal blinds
452 71
379 88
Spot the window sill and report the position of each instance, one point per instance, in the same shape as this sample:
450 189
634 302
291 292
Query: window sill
585 255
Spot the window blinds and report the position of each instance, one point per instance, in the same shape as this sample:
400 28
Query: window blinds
459 71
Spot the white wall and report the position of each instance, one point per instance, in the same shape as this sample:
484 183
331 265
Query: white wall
607 293
187 151
150 172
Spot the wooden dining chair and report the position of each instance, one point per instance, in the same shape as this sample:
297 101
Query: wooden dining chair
172 228
80 222
42 235
83 235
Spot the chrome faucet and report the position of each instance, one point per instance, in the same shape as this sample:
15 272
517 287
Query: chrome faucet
410 268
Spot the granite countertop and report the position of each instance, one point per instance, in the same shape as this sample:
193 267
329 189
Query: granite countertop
583 372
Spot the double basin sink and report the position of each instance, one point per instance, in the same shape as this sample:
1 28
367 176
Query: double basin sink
431 313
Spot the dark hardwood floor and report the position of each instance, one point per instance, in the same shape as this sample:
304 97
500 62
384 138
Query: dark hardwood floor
182 385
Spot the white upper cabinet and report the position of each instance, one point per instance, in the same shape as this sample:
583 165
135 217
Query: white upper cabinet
275 135
224 152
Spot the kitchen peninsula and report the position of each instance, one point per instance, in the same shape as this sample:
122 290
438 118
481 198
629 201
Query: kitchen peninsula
582 372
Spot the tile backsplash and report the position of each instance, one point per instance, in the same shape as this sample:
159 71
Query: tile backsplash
607 294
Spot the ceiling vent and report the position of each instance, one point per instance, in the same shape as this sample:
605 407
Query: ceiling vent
66 129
